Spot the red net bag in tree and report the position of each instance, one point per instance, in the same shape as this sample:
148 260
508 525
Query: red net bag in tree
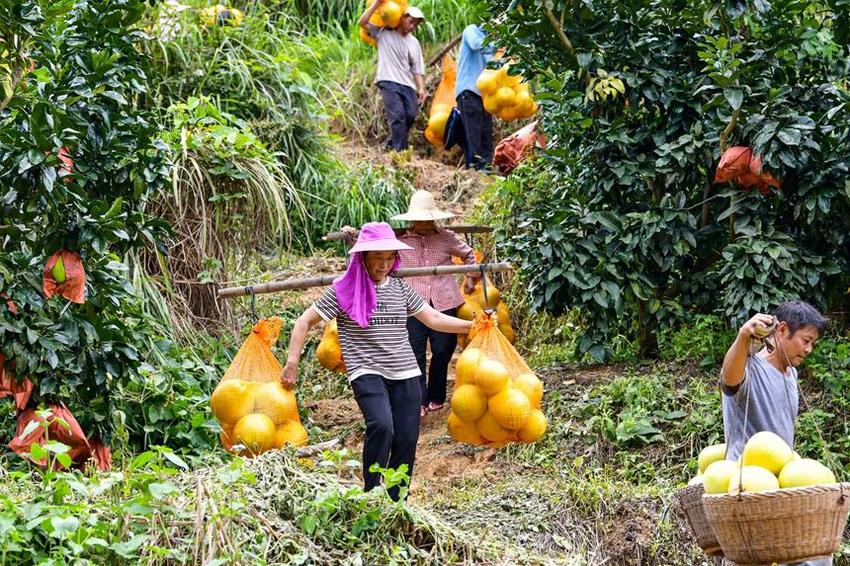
497 397
255 411
513 149
442 104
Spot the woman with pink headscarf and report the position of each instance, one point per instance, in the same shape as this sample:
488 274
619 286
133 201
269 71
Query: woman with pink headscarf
371 309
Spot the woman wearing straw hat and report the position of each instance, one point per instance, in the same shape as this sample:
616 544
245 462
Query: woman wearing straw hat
431 245
372 309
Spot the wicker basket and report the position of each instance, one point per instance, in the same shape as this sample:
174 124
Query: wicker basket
786 525
690 500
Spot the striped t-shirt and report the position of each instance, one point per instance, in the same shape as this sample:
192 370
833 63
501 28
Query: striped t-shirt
382 347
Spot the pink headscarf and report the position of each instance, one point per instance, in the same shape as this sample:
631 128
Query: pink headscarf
356 292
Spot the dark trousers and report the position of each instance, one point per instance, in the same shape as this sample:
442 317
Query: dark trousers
442 347
401 106
391 410
478 127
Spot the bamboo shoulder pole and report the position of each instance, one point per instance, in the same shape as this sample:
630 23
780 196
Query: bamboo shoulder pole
458 228
307 282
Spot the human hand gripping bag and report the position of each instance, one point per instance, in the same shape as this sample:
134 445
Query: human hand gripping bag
255 411
497 398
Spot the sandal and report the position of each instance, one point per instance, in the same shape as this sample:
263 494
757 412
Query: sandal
432 407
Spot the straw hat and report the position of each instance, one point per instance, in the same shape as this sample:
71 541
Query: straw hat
423 207
377 237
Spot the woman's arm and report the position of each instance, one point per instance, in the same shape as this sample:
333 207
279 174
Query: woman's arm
296 344
434 319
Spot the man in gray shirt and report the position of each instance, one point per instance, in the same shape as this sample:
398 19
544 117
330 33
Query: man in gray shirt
764 384
401 71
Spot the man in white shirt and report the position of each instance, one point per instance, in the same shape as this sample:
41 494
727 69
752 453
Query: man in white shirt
401 71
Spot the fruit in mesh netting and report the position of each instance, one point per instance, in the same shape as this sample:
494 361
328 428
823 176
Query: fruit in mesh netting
488 82
469 402
529 384
276 402
534 427
437 123
462 431
491 376
467 364
232 400
492 430
391 14
329 351
510 408
292 433
255 432
491 300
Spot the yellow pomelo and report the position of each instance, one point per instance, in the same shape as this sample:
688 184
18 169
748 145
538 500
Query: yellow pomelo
531 385
717 476
752 479
503 313
511 81
491 105
292 433
711 454
232 400
441 107
768 450
805 472
534 427
508 113
508 332
491 376
366 38
510 407
469 402
467 364
491 300
488 82
437 123
491 430
256 432
523 98
468 310
463 431
696 480
329 353
526 110
276 402
391 14
226 437
505 97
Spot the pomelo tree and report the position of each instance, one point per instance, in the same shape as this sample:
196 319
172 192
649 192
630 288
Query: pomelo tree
77 160
627 221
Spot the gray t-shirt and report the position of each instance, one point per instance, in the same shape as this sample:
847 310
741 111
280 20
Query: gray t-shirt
399 56
773 404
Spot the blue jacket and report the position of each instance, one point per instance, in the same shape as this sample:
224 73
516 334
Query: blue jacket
474 55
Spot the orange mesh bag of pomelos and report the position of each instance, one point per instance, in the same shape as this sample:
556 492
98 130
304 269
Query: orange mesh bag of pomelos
497 397
442 104
329 351
474 303
255 411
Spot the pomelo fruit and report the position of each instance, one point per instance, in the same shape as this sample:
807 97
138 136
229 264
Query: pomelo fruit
805 472
232 400
711 454
256 432
469 402
716 477
510 407
752 479
534 427
491 376
768 450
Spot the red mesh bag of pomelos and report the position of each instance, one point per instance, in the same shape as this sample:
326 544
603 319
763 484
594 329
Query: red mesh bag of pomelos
497 397
255 411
